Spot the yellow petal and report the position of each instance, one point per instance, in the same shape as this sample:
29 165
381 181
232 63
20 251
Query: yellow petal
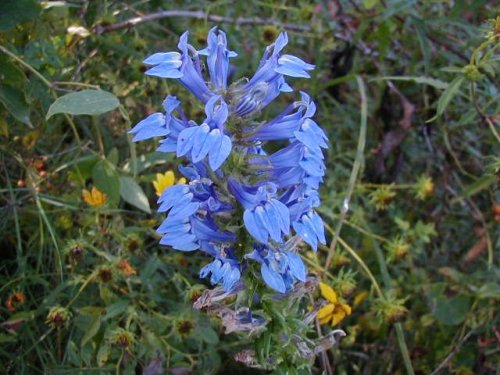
347 309
337 317
86 196
182 180
325 320
98 197
163 181
169 178
325 311
328 293
359 298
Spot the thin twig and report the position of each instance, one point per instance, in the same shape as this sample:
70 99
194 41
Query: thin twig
455 350
101 29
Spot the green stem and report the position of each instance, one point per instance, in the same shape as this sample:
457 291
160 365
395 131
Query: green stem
354 173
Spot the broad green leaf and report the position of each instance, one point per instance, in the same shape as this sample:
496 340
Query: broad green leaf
92 330
107 180
447 96
15 102
132 193
208 335
422 80
85 102
452 311
14 12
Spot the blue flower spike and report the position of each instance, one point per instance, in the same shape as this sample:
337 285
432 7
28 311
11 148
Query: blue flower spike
271 197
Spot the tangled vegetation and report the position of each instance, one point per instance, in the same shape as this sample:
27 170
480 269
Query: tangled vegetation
408 281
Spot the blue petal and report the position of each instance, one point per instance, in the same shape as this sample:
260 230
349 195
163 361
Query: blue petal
220 150
184 210
306 234
183 243
274 220
166 70
198 143
185 141
273 279
263 222
297 267
161 57
211 141
319 228
151 126
283 215
253 226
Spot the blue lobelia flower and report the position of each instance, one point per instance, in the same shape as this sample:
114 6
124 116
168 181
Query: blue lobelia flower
272 196
208 138
224 269
268 81
264 215
218 57
279 267
184 66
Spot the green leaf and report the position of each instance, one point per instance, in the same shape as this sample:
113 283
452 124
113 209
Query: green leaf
452 311
117 308
107 180
85 102
481 184
14 12
10 74
15 102
208 335
417 79
447 96
92 330
103 354
132 193
113 156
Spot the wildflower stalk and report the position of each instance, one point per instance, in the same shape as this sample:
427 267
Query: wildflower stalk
355 170
245 207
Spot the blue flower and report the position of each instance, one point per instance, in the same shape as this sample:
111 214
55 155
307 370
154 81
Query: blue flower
208 138
279 267
217 57
275 191
223 269
264 216
268 81
184 66
184 229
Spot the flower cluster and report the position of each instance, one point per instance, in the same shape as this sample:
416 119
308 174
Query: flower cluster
245 201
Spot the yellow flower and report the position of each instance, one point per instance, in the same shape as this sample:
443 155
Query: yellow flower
165 180
95 197
334 312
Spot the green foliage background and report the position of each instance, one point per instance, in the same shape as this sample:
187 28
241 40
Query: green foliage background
408 94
